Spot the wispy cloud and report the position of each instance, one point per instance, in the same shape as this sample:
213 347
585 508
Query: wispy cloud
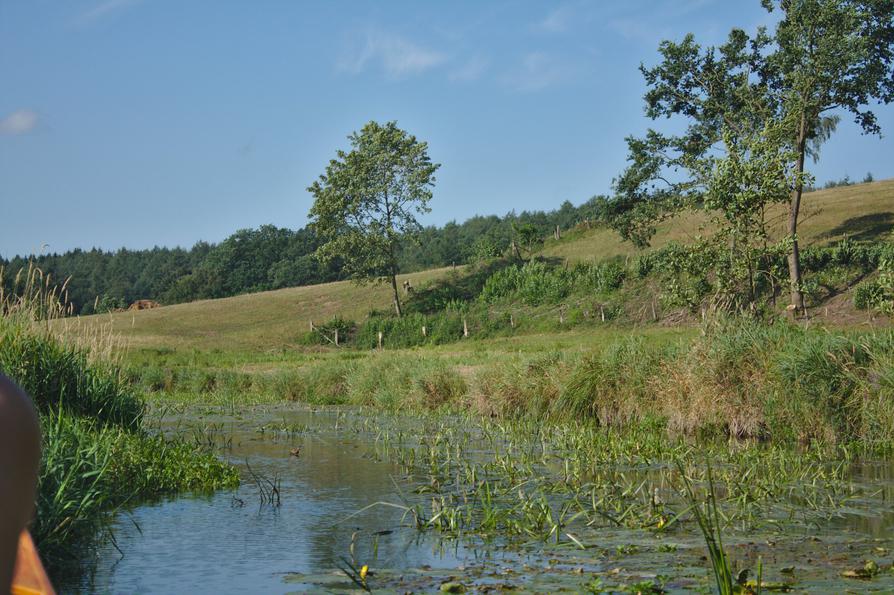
102 9
397 57
19 122
557 21
472 70
537 71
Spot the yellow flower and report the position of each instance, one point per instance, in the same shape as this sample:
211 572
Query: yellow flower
363 570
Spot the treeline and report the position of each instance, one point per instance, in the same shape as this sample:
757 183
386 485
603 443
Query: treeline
845 181
266 258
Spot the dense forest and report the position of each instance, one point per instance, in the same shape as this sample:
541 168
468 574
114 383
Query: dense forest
270 257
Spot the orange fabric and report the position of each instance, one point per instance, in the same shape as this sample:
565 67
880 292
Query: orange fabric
29 577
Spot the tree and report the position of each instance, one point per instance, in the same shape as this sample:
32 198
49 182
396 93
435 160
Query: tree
824 55
527 237
366 203
830 55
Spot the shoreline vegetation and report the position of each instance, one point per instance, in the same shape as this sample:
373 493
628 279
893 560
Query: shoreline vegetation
98 456
704 399
728 378
631 359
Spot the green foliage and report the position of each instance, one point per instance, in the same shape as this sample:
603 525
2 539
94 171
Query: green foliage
609 385
406 331
878 293
96 456
58 375
366 203
534 283
753 108
271 258
88 470
324 334
527 236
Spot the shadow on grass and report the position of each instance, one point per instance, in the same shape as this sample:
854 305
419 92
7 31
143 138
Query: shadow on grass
865 227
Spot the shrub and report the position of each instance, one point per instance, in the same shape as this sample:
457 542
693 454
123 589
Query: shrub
534 283
324 334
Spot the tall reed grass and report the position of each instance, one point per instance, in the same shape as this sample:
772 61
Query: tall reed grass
96 454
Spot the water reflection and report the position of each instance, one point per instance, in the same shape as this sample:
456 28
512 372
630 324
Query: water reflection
229 542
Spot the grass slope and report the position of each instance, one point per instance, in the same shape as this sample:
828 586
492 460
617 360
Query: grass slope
861 212
266 320
274 319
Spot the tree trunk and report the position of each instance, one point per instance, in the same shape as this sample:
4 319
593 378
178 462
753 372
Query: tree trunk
396 295
794 257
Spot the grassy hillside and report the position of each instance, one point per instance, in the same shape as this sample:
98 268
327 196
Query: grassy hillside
275 319
266 320
861 212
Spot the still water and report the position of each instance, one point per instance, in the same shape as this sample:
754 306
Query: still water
233 542
327 519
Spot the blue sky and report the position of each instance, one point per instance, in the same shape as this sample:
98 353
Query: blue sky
143 122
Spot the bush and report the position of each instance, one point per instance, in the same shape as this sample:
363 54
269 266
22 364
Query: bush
406 331
324 334
534 283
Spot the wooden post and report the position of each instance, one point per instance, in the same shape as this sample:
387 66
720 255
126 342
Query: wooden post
654 314
336 337
424 334
311 326
602 312
511 320
380 339
558 233
465 328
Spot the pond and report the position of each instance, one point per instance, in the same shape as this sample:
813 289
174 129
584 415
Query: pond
353 488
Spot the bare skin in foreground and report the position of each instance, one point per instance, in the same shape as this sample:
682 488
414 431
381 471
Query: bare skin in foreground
19 463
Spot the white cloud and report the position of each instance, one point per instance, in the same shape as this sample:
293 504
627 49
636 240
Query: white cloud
398 57
557 21
470 71
537 71
19 122
101 10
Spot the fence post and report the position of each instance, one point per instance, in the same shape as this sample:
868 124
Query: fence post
602 312
511 320
465 328
424 334
336 337
380 339
311 326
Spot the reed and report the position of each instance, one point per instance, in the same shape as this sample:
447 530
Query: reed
96 454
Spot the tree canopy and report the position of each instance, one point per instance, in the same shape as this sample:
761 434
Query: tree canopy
758 103
366 204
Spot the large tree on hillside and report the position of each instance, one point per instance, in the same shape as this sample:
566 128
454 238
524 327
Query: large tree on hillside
824 56
830 55
366 203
